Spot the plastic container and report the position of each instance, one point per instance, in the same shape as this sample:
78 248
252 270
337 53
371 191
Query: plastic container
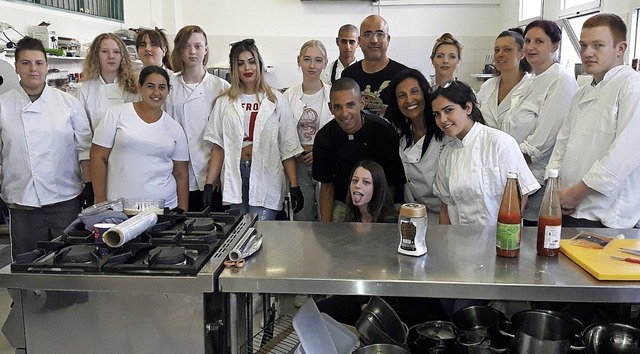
136 206
321 334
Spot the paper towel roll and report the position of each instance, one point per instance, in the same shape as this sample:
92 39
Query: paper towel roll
126 231
8 77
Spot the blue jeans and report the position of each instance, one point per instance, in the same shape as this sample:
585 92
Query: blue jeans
262 212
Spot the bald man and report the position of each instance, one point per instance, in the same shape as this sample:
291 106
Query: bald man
375 71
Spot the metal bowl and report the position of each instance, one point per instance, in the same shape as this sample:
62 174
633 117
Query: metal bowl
612 338
382 349
379 324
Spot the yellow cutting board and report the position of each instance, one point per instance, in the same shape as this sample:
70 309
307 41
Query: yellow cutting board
599 263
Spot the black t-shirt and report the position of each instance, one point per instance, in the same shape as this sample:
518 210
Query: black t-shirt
373 85
336 152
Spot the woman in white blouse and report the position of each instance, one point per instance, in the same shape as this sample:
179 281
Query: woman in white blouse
495 94
309 103
107 77
420 138
540 104
472 169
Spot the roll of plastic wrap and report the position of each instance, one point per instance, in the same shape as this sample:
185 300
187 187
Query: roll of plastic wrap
8 77
128 230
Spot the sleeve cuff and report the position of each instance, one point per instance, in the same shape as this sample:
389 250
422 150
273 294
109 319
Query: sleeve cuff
529 150
601 180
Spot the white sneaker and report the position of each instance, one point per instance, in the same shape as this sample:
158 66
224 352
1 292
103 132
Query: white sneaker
300 300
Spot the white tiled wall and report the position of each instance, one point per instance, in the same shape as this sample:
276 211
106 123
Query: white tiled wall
281 53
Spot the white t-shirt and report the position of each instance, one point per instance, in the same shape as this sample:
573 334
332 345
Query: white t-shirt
250 107
141 160
309 122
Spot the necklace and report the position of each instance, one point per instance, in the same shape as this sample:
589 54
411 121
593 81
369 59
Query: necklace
311 100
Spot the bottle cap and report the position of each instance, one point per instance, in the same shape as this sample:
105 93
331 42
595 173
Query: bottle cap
512 174
553 173
413 210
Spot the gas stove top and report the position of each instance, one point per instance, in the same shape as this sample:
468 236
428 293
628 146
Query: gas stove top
177 245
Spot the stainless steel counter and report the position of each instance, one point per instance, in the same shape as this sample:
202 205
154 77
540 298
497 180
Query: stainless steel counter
351 258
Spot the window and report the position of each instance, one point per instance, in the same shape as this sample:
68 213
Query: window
111 9
570 44
569 8
530 9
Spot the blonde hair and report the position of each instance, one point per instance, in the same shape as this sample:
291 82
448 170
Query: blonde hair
447 38
313 43
91 67
247 45
181 41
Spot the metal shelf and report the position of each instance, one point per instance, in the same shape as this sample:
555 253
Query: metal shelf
278 337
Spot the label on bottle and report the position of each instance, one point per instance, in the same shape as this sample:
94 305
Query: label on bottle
508 236
552 236
408 233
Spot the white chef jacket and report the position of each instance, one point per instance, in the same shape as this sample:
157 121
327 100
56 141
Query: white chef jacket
598 144
326 73
41 143
421 171
191 108
538 108
472 173
97 97
294 97
275 139
495 114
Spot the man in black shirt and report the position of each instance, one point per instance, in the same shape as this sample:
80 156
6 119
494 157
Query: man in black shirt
376 70
349 138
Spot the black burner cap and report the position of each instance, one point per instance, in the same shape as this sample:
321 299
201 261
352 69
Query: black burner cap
167 255
78 253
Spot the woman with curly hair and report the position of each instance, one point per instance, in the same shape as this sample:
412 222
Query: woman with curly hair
107 77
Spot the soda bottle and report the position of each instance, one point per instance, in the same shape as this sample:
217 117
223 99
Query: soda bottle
509 219
550 219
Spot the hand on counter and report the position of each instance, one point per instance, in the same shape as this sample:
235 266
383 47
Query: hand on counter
297 200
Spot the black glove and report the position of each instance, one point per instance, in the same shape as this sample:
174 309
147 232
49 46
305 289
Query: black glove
86 197
297 200
177 210
207 195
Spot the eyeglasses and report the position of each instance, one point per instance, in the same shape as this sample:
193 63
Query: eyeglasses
443 85
379 34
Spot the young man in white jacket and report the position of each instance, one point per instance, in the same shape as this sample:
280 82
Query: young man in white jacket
601 176
44 141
